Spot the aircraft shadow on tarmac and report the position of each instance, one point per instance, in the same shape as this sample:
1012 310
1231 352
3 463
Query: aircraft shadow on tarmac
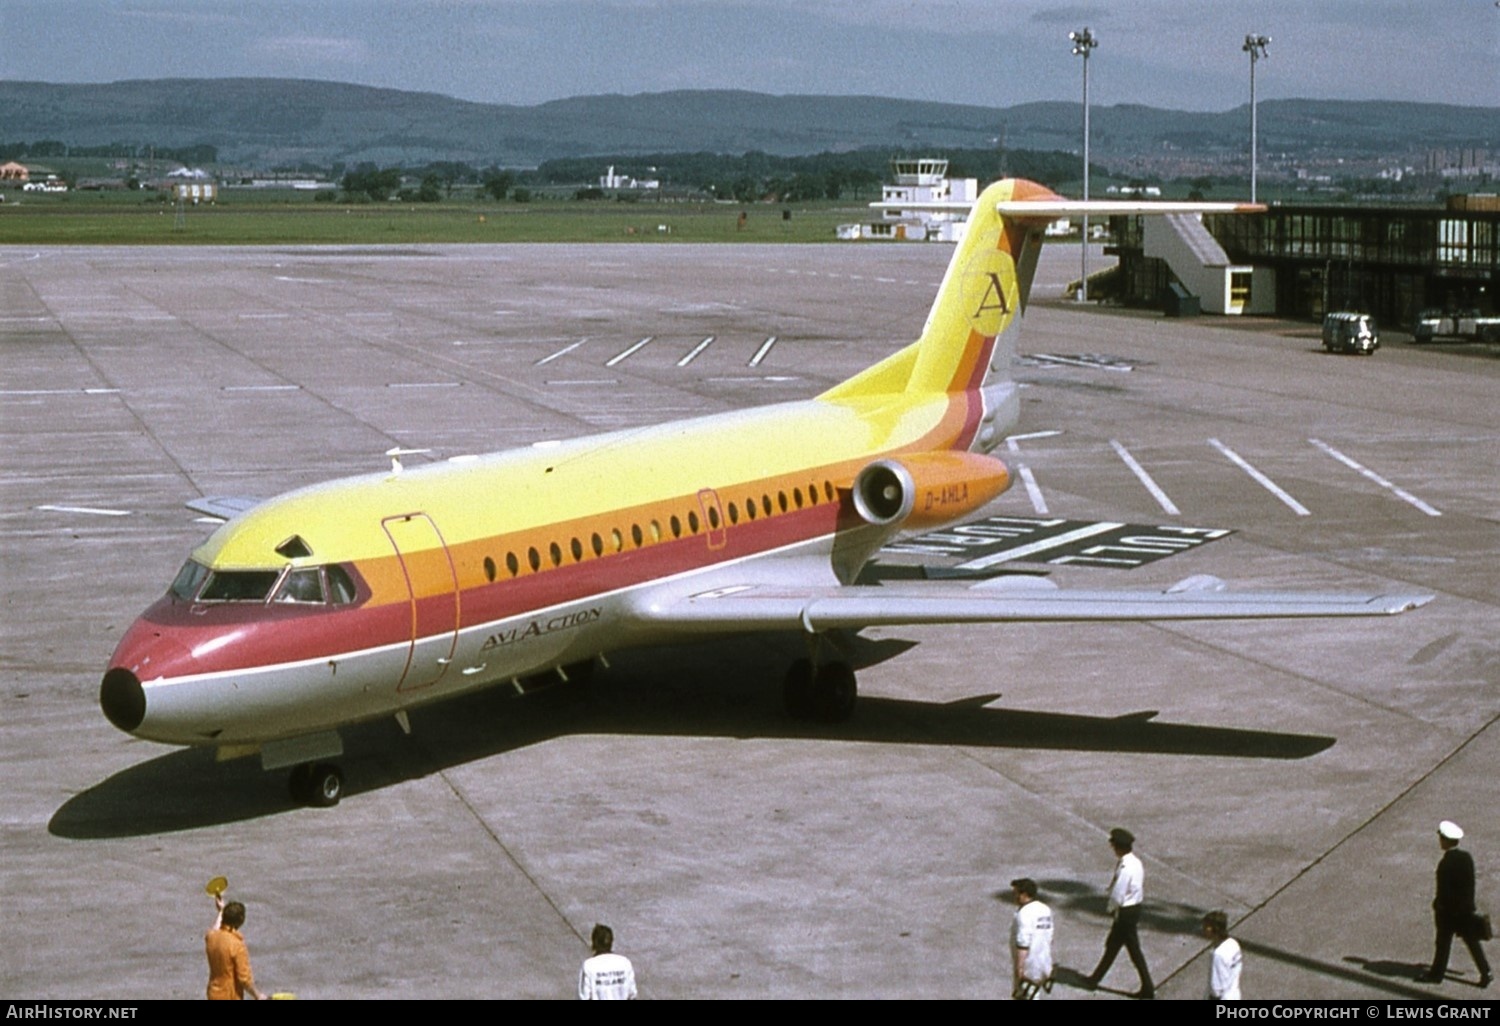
730 690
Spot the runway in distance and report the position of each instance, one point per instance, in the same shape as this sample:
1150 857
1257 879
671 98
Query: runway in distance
367 596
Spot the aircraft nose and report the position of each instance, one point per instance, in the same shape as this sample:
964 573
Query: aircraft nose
123 699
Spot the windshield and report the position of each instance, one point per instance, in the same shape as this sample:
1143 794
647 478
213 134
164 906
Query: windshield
316 585
239 585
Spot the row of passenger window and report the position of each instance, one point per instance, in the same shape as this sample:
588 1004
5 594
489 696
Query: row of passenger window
614 540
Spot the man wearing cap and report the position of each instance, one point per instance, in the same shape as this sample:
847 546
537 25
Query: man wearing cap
1126 890
1453 909
1030 942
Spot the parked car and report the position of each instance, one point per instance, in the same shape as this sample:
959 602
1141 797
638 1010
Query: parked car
1346 331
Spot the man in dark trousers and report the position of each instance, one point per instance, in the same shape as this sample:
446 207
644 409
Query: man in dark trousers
1453 909
1126 890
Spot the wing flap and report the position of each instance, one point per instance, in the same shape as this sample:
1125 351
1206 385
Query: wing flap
753 608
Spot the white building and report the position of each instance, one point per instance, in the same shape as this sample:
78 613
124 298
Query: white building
919 180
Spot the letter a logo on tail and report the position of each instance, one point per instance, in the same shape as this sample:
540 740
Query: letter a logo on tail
989 293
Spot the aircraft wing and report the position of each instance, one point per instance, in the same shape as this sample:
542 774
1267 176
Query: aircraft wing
765 607
221 507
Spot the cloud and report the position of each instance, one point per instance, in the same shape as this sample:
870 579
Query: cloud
311 51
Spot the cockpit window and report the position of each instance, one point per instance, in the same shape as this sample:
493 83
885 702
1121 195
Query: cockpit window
341 588
188 580
302 586
239 585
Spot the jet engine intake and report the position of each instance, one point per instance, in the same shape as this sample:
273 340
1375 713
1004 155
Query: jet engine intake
883 493
928 488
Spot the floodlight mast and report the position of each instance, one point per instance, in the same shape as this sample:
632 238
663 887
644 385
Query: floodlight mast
1084 42
1255 46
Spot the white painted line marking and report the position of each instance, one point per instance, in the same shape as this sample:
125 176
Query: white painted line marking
1260 479
1073 361
1056 541
1146 479
628 352
760 354
564 351
696 350
58 391
262 388
585 381
1038 503
1400 493
87 509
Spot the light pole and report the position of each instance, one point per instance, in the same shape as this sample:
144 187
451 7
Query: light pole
1083 43
1255 46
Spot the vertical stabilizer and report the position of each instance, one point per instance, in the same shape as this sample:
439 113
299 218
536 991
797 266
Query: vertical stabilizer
968 341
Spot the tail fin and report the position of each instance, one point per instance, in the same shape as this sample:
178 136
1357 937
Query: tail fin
968 342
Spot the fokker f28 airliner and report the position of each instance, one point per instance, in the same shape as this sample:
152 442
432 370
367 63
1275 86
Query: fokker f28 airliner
367 596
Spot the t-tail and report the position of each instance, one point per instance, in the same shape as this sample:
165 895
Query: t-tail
969 341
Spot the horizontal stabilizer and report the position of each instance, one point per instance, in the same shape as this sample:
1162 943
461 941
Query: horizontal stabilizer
819 609
221 507
1052 209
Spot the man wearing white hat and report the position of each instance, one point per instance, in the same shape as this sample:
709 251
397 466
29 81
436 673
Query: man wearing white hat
1453 909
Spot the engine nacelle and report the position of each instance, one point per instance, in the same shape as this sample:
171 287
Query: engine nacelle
927 489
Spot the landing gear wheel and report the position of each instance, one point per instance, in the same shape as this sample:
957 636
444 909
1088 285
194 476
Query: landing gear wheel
834 692
320 785
327 785
797 690
299 784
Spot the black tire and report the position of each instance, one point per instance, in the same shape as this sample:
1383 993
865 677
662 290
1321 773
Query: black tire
300 785
797 690
327 786
835 692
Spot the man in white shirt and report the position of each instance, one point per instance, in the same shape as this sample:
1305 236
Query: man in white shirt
1224 972
1126 891
1030 942
606 976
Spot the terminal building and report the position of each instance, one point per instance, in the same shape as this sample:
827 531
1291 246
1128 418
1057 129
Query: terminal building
1301 261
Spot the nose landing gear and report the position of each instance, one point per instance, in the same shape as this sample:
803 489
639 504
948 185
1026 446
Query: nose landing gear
318 784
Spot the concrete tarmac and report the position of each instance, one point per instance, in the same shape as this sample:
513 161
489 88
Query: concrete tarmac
1292 773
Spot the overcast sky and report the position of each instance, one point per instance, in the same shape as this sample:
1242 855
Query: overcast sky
1181 54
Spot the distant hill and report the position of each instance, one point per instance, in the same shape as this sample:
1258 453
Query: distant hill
269 122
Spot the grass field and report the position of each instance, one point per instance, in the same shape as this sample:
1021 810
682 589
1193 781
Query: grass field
238 219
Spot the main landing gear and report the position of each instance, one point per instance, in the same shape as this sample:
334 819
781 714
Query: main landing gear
318 784
823 693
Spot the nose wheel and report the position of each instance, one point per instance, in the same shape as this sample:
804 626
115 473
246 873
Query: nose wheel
317 784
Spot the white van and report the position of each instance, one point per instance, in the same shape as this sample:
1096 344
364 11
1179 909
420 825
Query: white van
1346 331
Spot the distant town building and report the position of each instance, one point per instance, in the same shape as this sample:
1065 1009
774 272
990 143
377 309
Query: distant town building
611 182
13 172
919 181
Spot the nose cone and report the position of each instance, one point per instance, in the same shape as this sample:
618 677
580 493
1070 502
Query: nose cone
123 699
